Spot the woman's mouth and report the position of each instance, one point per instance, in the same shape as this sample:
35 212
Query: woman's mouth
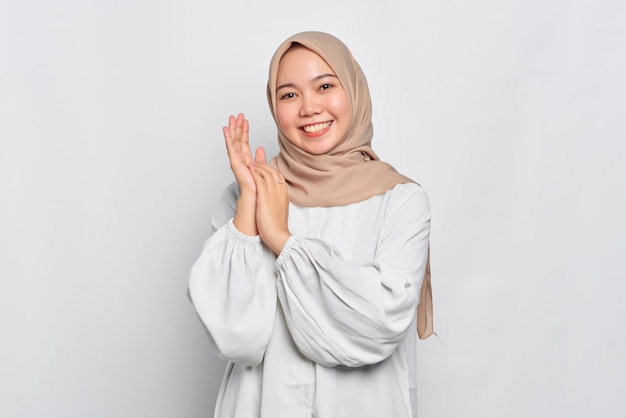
316 127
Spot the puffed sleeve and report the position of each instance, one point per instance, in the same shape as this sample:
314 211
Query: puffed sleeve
233 289
353 314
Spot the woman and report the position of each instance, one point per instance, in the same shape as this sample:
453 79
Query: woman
310 280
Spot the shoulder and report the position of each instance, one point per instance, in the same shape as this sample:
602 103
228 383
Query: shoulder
409 198
408 192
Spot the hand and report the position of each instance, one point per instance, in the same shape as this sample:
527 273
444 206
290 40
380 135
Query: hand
272 207
236 136
240 156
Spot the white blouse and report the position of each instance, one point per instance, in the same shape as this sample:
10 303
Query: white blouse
328 328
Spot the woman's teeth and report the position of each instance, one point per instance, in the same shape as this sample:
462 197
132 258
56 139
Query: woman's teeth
315 128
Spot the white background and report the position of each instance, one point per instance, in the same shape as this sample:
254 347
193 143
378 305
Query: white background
509 113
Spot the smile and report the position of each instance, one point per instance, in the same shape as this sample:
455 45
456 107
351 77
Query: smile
316 127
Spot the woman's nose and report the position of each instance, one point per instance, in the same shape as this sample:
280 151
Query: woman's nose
310 105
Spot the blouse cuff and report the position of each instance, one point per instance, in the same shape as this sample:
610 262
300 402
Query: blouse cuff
284 254
238 235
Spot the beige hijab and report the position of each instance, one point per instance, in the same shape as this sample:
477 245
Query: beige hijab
351 172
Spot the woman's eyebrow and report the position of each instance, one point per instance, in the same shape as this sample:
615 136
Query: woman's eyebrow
323 76
282 86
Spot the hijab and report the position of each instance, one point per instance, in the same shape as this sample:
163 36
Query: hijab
350 172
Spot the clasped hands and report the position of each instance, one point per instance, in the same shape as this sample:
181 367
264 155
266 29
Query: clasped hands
263 206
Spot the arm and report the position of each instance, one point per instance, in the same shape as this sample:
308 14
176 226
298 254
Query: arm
232 284
345 313
232 287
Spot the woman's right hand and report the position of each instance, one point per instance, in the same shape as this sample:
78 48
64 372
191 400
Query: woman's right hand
236 136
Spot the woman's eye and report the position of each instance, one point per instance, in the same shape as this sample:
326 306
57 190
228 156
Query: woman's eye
287 96
325 86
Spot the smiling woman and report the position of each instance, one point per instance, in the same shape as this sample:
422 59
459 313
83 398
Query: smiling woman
316 274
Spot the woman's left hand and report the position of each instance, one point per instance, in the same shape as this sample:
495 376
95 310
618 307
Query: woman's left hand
272 206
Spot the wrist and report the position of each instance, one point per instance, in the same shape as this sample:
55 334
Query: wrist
245 218
247 198
278 242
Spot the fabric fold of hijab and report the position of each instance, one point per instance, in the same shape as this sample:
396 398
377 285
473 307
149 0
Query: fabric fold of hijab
351 172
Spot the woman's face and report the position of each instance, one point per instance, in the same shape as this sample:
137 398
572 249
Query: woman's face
312 108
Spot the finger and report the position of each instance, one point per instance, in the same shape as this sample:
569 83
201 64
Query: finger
283 180
259 182
232 123
245 138
239 125
232 147
262 176
226 128
232 127
259 155
236 124
268 174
